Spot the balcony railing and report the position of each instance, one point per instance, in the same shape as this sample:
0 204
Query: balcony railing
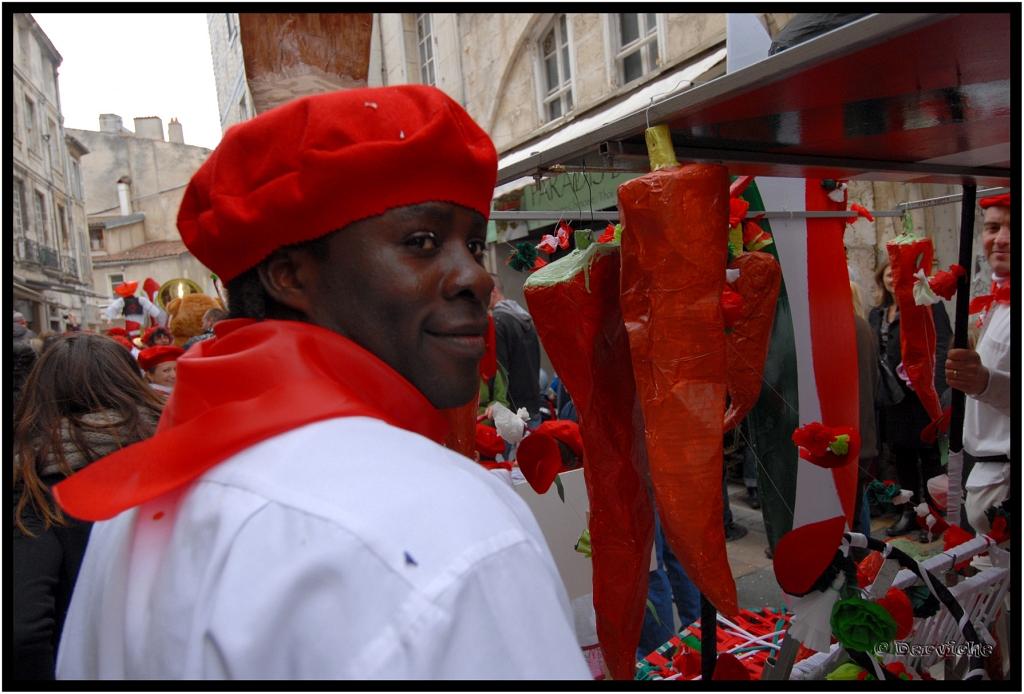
69 265
26 249
48 257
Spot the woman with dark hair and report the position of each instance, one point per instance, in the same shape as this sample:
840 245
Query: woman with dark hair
900 426
84 400
158 336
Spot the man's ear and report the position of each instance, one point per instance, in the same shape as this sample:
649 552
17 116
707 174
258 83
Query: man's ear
290 276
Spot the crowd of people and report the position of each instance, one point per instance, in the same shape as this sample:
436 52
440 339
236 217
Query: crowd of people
296 516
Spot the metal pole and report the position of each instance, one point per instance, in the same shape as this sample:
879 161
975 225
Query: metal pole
963 297
708 638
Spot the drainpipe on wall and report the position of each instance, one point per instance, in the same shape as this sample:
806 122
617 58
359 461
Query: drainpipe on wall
124 197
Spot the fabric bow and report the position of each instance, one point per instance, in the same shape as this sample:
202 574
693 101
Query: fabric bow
999 293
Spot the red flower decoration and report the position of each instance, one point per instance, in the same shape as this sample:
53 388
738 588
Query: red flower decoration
861 212
944 283
609 234
737 211
955 536
898 605
1000 532
732 306
827 447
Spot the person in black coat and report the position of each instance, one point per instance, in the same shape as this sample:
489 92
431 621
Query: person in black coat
900 426
82 401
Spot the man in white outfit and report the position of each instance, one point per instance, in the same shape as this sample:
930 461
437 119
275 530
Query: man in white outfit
296 517
984 375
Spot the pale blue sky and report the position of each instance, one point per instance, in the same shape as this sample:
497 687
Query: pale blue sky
136 65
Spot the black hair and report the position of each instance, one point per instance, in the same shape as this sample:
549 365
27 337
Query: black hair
248 298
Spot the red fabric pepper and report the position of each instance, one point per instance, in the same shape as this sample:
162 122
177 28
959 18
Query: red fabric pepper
674 252
758 284
917 328
732 307
590 352
944 283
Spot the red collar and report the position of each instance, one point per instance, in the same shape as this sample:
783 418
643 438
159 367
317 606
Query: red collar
998 293
256 380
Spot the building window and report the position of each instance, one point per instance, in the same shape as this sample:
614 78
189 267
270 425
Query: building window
54 146
40 219
115 282
96 242
31 130
637 52
20 219
232 19
425 41
76 179
63 222
557 80
23 39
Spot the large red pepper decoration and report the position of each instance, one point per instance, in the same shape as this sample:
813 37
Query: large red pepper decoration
575 306
674 253
907 255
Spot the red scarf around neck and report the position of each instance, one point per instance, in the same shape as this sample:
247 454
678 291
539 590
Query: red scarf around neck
256 380
998 293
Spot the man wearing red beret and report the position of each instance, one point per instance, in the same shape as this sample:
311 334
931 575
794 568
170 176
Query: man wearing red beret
984 375
296 516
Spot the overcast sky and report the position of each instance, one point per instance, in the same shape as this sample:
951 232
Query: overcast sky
136 65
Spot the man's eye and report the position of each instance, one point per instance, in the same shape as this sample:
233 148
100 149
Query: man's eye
427 241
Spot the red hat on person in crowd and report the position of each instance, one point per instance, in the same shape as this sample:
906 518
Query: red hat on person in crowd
126 289
488 443
319 163
151 332
151 356
539 457
121 340
995 201
115 331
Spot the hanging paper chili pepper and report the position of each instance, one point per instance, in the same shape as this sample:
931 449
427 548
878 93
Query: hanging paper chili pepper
908 254
747 343
674 252
590 353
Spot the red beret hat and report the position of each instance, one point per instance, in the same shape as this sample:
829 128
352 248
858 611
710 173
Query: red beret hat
126 289
804 553
121 340
151 356
488 443
1001 200
319 163
117 330
566 431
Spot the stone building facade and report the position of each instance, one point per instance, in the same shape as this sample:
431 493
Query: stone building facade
135 181
52 270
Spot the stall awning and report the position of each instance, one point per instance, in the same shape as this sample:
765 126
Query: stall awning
921 98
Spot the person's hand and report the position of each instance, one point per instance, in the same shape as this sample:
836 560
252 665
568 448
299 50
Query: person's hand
965 372
110 324
489 412
72 320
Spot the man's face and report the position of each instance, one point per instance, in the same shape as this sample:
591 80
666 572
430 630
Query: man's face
995 239
410 287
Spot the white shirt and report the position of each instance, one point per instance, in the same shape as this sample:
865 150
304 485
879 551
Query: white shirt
346 548
987 414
